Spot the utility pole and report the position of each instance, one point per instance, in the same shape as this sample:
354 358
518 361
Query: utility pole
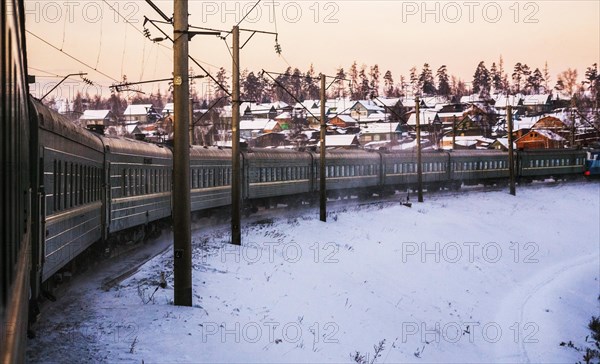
236 195
323 182
419 167
453 132
182 233
511 156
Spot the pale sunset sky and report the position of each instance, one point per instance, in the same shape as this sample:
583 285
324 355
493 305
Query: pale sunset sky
396 35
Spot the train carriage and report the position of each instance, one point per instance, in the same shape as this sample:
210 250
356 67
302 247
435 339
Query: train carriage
478 166
550 163
140 183
349 169
71 161
210 177
401 169
15 185
276 172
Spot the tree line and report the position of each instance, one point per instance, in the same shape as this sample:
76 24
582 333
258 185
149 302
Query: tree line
362 82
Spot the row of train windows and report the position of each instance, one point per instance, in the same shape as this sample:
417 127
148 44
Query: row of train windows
412 167
210 177
480 165
540 163
143 181
274 174
75 185
352 171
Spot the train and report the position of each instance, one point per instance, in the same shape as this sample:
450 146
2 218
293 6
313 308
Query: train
90 187
66 189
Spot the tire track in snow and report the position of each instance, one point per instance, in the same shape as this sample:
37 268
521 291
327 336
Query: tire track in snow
523 295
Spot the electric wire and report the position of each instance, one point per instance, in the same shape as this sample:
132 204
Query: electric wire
70 56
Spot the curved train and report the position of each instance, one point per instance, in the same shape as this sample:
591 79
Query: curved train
65 188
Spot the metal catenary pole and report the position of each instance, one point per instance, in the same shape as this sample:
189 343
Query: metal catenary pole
419 167
236 195
511 155
323 182
181 160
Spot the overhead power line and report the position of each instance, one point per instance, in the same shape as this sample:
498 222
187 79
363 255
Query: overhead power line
72 57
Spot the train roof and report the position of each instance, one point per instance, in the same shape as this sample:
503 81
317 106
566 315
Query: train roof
268 153
56 123
121 145
198 152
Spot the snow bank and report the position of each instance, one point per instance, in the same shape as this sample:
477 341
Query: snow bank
470 277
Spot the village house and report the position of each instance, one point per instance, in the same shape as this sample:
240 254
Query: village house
342 121
365 111
375 132
97 117
540 139
140 113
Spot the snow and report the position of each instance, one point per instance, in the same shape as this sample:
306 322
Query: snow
463 277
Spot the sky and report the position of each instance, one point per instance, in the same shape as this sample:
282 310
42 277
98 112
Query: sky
107 35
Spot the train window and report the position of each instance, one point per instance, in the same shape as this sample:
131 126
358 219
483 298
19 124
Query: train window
71 182
55 186
124 183
65 185
147 181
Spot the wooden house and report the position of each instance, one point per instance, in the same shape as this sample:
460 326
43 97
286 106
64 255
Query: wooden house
540 139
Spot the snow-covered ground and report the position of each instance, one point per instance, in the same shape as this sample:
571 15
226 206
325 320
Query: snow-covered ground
466 277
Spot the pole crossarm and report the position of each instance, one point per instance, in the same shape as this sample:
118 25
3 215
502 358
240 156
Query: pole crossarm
146 20
118 86
81 74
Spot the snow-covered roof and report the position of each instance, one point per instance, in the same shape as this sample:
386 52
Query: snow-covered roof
168 109
94 114
379 128
386 102
369 105
502 100
137 109
339 140
345 118
254 124
470 98
536 99
283 116
504 142
549 134
425 117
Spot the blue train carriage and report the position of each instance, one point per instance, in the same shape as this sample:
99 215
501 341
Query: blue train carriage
272 173
539 164
139 184
401 170
475 167
15 186
71 159
592 163
210 177
350 172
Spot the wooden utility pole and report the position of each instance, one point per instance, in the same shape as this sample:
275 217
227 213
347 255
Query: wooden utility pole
511 156
323 181
182 233
453 132
419 166
236 185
